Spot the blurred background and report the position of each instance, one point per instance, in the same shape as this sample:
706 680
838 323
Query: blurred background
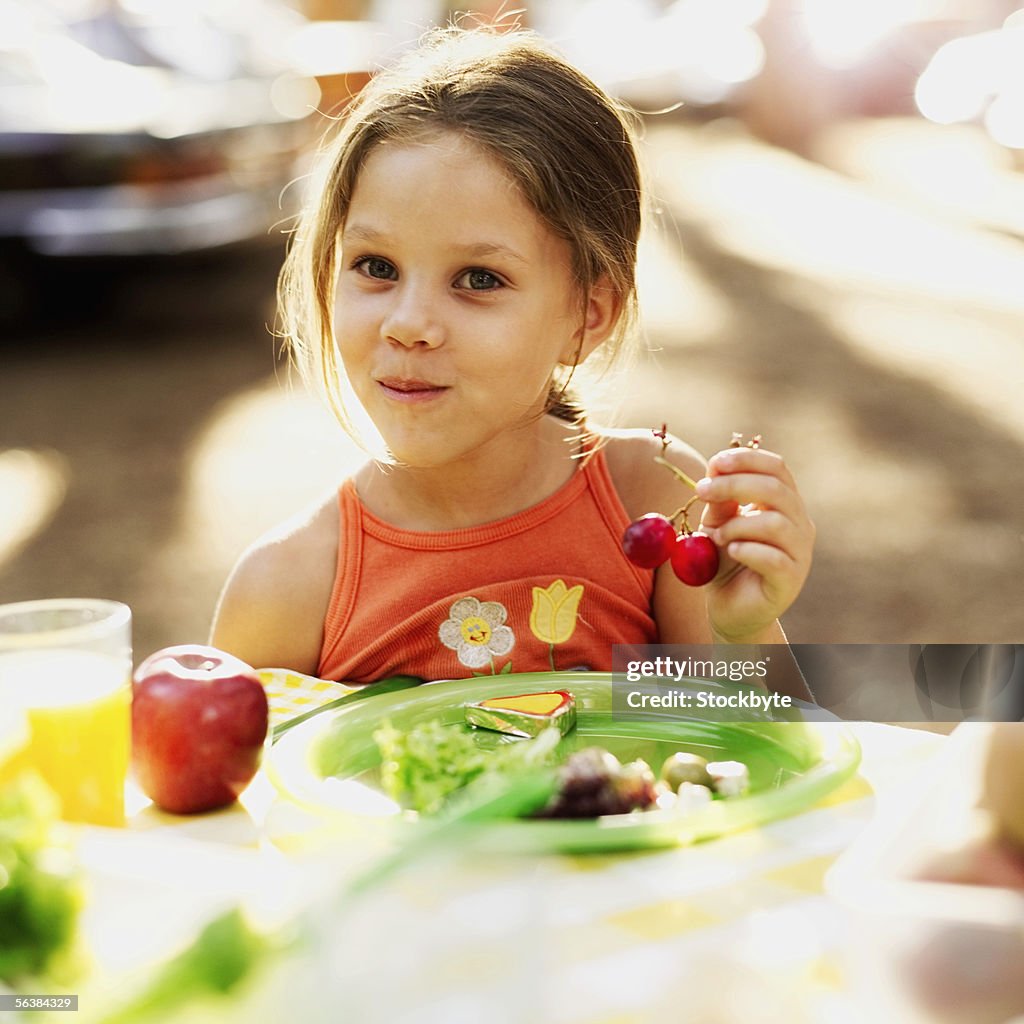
836 262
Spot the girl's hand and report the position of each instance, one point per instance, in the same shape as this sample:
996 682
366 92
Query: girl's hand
757 518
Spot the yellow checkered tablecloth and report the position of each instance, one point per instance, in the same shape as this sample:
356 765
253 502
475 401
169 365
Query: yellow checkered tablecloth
291 693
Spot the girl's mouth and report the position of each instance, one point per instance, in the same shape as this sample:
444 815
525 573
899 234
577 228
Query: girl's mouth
409 389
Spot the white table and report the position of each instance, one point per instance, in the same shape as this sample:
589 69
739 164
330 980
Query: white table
734 929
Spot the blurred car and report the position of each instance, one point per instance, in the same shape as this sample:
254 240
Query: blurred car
146 127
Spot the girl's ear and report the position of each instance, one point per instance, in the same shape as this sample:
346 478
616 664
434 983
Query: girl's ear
600 315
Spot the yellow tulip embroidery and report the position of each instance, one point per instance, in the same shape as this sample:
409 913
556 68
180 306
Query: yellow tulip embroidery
553 616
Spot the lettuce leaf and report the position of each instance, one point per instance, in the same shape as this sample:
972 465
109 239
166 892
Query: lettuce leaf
423 767
40 888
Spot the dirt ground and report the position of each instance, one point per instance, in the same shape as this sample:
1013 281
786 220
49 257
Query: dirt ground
871 330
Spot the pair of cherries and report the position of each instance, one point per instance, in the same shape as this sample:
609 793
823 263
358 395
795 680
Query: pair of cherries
653 539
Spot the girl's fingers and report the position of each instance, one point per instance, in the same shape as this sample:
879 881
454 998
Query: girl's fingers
750 460
718 513
768 561
755 513
754 506
766 527
760 489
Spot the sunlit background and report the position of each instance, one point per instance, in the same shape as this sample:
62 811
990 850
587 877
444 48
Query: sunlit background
834 260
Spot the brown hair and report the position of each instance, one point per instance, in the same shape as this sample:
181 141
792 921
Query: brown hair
568 146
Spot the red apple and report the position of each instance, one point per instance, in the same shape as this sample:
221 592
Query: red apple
199 721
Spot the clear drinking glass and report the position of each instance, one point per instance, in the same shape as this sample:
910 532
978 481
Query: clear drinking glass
65 686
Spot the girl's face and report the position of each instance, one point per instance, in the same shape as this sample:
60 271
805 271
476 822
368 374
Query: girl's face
454 302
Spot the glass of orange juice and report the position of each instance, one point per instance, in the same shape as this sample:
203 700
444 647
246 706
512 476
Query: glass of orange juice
65 686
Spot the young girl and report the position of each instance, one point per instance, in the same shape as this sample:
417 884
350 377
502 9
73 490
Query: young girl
472 242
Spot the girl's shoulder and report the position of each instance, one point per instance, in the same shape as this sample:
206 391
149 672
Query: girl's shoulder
642 484
271 611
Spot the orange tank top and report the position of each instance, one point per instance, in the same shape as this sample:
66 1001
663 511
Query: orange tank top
547 588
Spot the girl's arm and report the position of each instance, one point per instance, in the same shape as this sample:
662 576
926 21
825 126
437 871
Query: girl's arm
272 608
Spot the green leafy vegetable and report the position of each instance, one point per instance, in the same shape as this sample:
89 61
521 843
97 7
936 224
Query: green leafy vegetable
423 767
222 957
40 890
229 954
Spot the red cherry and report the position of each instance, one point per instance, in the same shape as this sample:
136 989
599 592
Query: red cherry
648 540
695 559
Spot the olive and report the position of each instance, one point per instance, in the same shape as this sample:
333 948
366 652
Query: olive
683 767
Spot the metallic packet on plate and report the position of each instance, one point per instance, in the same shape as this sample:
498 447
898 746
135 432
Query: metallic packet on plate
525 714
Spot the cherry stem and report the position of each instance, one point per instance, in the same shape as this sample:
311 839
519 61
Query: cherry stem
680 475
682 511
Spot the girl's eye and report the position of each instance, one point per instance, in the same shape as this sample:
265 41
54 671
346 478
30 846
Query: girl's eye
478 280
377 268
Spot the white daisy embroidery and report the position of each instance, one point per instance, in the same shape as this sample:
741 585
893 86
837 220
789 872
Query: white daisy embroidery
476 631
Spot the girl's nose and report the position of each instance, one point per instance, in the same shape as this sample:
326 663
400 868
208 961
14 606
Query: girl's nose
412 320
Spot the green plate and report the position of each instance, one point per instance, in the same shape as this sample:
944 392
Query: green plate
331 763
